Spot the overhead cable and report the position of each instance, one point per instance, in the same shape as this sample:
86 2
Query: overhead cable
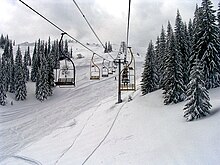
61 29
90 26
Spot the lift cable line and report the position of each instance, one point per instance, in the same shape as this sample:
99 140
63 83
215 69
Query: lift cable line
61 29
90 26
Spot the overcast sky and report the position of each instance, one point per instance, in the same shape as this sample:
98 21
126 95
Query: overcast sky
107 17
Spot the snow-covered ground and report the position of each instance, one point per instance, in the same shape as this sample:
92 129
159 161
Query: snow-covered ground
84 125
142 131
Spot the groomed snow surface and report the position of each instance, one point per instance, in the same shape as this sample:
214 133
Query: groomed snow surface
84 125
144 132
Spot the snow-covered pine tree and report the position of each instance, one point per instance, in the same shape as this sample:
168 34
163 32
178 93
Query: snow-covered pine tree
42 77
166 56
49 70
25 66
157 59
197 95
12 70
190 37
149 75
49 46
162 53
50 73
207 44
2 41
109 49
34 67
218 18
106 48
173 82
186 61
3 95
6 64
20 85
181 49
28 56
57 52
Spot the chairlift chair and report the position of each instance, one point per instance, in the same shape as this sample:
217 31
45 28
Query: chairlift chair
128 81
66 74
94 70
110 66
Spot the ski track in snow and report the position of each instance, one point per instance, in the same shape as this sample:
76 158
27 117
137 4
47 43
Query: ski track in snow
113 123
30 121
27 160
66 150
109 130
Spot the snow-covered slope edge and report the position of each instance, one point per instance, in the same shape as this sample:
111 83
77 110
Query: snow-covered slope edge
145 132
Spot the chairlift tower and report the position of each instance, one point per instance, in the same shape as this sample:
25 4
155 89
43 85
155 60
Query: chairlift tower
126 76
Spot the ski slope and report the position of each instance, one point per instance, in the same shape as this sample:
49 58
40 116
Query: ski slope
142 131
30 120
84 125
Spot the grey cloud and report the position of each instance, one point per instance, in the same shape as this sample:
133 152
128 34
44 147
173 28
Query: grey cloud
147 18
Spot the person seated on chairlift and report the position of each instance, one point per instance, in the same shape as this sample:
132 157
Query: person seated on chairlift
125 78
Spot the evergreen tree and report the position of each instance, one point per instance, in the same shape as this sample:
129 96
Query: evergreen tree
49 70
6 64
25 66
190 37
162 53
181 48
218 19
28 57
197 95
42 85
2 41
157 58
106 48
109 49
20 86
12 70
57 52
3 95
34 68
174 91
149 75
206 44
49 46
166 55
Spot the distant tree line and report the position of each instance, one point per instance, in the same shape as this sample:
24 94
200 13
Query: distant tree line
185 62
14 73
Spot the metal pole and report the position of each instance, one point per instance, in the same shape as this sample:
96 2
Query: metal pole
119 81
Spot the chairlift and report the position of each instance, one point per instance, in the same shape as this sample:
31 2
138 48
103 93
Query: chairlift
128 82
110 66
94 70
66 73
105 69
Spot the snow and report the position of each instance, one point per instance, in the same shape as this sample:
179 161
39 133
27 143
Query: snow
84 125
